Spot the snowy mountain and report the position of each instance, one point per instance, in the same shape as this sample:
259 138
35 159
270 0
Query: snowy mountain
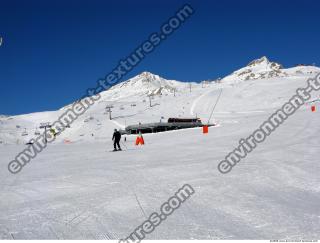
267 87
77 189
145 83
262 68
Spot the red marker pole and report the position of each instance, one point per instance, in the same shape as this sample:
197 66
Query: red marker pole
205 129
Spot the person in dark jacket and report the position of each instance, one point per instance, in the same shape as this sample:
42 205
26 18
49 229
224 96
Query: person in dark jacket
116 140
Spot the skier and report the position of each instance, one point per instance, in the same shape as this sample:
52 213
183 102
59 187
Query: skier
116 140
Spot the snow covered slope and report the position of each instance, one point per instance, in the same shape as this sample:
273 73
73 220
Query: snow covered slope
78 190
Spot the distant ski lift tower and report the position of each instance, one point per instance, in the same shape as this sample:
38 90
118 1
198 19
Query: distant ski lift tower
174 92
108 109
44 126
150 104
190 87
36 132
25 133
205 83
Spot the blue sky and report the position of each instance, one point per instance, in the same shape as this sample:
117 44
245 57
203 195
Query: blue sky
54 50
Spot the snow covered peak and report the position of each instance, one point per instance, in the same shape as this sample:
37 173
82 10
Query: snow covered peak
258 61
144 80
148 75
145 83
257 69
264 63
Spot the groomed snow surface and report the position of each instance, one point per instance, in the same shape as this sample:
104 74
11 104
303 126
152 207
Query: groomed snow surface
80 190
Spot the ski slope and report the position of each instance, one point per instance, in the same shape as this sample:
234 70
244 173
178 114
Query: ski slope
79 190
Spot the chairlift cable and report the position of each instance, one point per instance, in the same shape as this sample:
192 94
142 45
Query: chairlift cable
215 105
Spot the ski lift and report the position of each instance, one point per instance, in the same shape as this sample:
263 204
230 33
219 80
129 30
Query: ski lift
24 133
37 132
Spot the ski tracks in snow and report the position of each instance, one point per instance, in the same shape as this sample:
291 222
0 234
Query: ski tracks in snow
195 102
140 206
118 124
